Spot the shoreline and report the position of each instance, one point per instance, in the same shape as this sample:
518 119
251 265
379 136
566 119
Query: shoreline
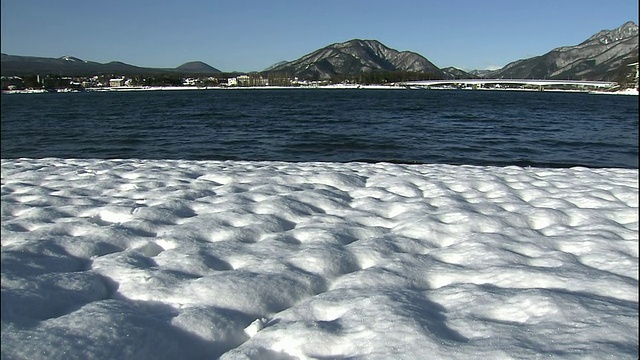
629 91
319 163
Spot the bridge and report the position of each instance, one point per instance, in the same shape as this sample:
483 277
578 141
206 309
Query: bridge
533 82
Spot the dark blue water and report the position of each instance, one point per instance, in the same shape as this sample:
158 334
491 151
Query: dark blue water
406 126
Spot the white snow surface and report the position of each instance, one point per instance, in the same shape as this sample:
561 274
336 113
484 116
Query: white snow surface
155 259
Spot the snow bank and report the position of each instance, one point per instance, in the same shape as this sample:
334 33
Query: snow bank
136 259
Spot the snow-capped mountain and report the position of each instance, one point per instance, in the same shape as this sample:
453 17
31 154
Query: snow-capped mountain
455 73
356 56
603 56
72 59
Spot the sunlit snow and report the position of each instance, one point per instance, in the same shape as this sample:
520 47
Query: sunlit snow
133 259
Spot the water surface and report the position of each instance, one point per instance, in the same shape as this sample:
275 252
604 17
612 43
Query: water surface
549 129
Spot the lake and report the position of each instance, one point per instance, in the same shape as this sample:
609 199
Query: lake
501 128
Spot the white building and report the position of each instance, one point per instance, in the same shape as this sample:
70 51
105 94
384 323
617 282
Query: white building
243 80
116 82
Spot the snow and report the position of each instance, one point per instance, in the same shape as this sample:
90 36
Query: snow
629 91
137 259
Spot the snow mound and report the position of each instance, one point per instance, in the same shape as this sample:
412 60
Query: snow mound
135 259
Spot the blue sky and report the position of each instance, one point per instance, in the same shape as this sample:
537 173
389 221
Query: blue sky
250 35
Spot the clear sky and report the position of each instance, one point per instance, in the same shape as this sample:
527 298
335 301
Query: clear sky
250 35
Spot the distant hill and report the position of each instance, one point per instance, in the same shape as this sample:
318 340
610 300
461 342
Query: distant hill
354 57
197 67
14 65
603 56
480 73
455 73
31 65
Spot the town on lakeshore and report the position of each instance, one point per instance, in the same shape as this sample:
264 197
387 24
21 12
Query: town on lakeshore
42 84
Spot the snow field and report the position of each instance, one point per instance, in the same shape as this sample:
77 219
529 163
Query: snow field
268 260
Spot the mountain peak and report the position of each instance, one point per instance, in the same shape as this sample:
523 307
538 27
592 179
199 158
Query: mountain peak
354 57
360 42
197 67
627 30
72 59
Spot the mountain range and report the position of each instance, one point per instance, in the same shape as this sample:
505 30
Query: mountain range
603 56
15 65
